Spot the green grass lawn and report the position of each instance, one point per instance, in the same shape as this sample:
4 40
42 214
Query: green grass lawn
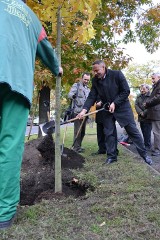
125 203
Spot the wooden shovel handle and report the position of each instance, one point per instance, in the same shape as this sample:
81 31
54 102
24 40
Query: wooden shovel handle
85 115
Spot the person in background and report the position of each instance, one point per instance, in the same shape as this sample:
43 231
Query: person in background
112 88
124 139
79 93
145 124
22 39
153 114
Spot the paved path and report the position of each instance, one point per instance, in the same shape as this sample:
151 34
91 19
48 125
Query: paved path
156 160
132 148
34 130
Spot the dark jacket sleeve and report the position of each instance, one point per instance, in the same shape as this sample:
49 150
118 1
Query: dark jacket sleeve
138 109
98 99
124 89
155 99
47 54
91 99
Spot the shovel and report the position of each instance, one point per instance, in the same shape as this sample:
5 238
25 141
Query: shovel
79 130
49 127
62 146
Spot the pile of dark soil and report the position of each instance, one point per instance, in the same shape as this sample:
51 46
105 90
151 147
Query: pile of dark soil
38 176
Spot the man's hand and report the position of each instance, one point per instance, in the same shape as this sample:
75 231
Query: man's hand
99 104
112 107
144 105
141 114
60 71
81 114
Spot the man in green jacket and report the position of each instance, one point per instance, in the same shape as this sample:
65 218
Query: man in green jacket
22 39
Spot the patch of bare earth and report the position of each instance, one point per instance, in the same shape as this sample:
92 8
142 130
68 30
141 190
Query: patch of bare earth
38 175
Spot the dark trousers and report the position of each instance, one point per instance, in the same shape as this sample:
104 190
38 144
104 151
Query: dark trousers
136 138
111 137
79 138
146 128
101 137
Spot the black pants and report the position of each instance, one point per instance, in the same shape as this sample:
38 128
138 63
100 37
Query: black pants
78 139
101 137
146 128
136 138
111 137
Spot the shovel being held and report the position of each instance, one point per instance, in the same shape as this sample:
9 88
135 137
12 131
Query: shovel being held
49 127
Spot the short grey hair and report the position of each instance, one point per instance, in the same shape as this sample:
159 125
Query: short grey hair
145 85
156 74
98 62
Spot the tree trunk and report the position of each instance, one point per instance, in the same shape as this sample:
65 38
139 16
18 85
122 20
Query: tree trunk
58 170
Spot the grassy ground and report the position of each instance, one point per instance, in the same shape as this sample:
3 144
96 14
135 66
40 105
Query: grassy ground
125 204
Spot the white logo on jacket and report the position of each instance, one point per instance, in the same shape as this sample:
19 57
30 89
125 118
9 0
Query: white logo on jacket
17 9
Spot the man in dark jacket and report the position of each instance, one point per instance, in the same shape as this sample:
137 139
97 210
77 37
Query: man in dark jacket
153 106
145 124
113 89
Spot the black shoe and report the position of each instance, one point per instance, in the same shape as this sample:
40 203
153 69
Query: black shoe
6 224
155 153
78 150
98 153
110 160
83 149
117 151
148 160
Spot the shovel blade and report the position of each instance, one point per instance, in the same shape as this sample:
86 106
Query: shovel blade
49 127
62 151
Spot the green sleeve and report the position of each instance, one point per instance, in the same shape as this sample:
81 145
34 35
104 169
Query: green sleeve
47 54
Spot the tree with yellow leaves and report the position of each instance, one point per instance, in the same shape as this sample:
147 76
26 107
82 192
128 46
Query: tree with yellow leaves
66 12
90 29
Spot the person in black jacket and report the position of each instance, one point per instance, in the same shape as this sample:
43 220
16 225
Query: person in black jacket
153 107
145 124
112 88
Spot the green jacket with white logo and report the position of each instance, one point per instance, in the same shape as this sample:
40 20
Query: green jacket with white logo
22 37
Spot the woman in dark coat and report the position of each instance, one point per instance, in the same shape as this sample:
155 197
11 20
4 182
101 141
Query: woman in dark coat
145 124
